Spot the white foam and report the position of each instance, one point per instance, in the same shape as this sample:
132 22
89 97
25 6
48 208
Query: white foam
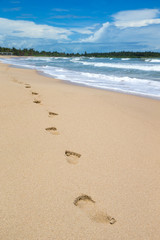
110 82
152 60
124 66
147 60
17 63
155 60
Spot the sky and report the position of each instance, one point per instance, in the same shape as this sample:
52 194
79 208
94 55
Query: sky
79 26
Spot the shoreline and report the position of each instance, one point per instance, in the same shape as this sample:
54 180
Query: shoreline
74 159
102 89
83 85
86 86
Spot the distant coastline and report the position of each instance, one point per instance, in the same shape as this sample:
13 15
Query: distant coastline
122 54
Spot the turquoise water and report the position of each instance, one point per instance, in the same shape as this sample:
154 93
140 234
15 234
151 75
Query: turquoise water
133 76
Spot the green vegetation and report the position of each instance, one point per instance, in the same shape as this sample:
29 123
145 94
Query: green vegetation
123 54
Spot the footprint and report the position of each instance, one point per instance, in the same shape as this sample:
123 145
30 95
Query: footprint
89 207
16 81
34 93
52 114
72 157
83 197
27 85
52 130
37 101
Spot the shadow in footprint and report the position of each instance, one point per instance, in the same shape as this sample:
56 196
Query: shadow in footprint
27 85
34 93
89 207
72 157
52 130
52 114
37 101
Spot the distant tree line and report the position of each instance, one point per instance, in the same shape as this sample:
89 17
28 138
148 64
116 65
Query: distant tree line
122 54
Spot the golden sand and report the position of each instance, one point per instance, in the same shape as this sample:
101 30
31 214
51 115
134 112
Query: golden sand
96 177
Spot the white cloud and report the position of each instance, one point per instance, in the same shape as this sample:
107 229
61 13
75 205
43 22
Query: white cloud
60 10
125 20
141 23
131 15
11 9
84 30
27 34
136 18
26 16
128 30
98 34
81 30
69 16
22 29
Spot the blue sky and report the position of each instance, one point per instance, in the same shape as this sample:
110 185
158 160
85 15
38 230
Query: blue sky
78 26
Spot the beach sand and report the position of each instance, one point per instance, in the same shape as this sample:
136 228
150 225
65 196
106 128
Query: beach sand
76 163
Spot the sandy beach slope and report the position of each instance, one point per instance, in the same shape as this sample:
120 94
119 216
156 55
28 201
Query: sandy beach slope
74 160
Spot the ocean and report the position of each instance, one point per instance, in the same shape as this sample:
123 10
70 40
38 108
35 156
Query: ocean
127 75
